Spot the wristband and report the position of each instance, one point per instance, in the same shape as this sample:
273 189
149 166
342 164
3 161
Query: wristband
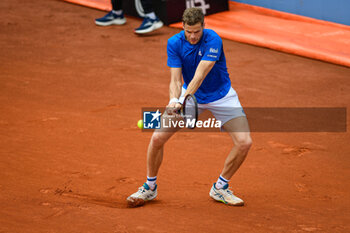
174 100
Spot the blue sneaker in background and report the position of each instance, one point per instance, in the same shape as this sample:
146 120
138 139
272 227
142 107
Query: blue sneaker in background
111 18
149 25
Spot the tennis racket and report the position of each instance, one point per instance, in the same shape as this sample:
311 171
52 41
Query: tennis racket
190 111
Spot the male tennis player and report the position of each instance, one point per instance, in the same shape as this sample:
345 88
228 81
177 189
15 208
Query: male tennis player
197 55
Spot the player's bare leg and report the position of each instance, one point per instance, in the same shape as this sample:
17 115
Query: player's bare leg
155 151
154 161
238 129
156 146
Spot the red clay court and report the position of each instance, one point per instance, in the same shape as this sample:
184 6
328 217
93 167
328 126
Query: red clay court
72 93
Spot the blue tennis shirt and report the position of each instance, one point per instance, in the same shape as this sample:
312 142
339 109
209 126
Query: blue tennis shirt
182 54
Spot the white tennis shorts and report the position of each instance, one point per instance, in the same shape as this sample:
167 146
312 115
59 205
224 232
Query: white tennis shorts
224 109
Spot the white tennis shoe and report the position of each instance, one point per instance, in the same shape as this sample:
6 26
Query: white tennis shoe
225 195
142 195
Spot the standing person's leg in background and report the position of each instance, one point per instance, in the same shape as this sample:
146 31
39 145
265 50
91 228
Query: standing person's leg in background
151 22
115 16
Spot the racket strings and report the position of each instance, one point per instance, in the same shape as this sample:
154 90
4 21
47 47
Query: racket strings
190 111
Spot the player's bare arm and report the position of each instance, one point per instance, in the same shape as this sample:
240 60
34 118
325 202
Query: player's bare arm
175 89
175 82
202 70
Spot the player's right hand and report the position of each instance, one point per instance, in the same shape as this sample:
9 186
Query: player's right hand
173 109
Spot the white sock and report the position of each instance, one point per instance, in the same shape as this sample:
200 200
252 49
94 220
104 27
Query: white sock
151 15
221 182
118 12
151 182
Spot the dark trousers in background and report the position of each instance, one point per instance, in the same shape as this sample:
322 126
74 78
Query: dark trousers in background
146 5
